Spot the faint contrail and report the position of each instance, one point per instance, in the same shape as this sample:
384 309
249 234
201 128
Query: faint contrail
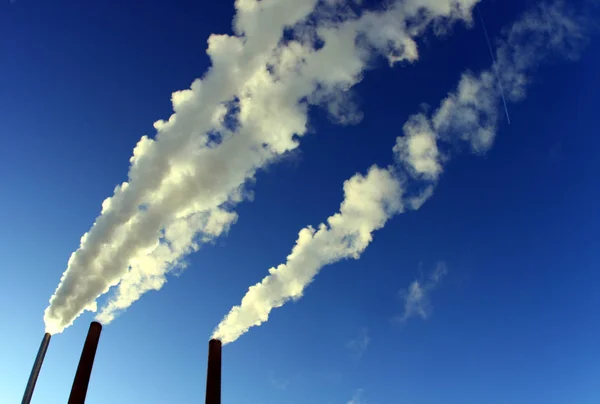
495 65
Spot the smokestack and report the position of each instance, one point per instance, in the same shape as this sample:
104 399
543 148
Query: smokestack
86 362
35 371
213 373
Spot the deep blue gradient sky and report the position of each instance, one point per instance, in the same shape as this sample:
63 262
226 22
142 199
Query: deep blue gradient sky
514 321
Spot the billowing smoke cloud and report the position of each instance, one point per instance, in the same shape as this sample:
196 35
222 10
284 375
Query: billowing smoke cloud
469 114
249 109
369 201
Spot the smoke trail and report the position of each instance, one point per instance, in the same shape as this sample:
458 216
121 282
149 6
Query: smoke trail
369 201
249 108
469 114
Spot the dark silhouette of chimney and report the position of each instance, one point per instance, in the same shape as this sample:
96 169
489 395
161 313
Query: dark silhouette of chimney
86 362
213 373
35 371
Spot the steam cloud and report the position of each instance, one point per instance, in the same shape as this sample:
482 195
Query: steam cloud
249 109
469 114
369 201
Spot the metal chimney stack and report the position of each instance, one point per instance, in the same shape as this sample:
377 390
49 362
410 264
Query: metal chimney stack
213 373
86 362
35 371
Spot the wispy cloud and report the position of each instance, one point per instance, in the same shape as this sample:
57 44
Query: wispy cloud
278 382
329 376
359 344
417 301
357 398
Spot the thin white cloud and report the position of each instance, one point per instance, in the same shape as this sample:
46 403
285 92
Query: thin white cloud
357 398
417 301
358 345
278 382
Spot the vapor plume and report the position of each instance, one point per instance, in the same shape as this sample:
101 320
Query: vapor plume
249 109
470 115
369 201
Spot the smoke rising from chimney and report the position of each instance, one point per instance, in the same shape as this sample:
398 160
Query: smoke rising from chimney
245 112
369 201
470 115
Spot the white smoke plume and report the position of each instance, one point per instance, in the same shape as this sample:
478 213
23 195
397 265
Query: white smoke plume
369 201
469 114
248 109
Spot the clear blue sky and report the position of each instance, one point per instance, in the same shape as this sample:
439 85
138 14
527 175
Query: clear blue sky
514 320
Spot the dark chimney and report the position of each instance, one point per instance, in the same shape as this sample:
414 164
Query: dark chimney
213 373
35 371
86 362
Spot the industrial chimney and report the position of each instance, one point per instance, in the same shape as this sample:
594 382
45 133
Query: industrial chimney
35 371
86 362
213 373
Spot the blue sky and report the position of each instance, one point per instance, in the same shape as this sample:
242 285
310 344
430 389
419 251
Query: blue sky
511 321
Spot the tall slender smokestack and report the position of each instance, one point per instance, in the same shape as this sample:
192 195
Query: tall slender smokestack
86 362
213 373
35 371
